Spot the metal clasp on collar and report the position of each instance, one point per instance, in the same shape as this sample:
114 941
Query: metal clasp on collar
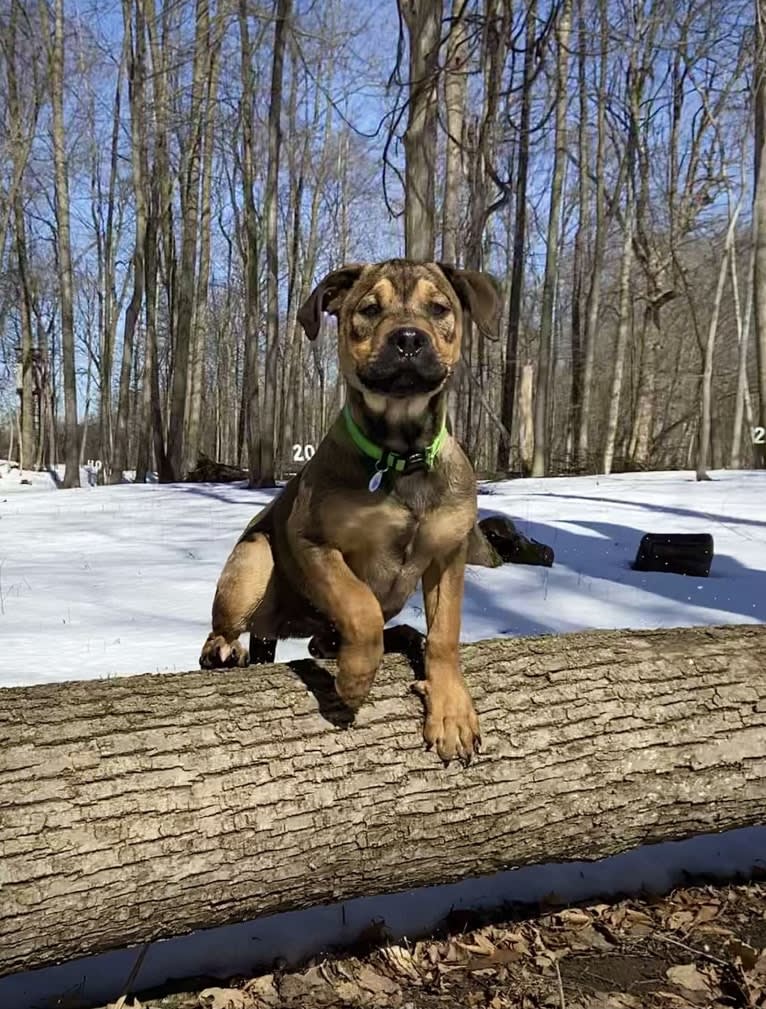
415 461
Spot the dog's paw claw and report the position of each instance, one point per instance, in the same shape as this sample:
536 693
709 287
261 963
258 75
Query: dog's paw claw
218 653
451 724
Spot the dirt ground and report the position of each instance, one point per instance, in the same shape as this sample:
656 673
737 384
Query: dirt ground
702 946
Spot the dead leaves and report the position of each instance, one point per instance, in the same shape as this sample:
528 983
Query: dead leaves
689 977
224 998
702 947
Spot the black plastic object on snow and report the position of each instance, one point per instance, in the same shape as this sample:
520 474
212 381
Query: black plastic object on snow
676 553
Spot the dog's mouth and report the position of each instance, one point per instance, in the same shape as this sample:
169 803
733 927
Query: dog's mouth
416 376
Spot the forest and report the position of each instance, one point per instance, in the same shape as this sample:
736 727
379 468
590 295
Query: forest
177 175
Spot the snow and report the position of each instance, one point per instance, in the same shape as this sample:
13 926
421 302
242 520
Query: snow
116 580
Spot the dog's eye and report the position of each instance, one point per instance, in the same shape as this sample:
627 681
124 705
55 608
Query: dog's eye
438 310
370 311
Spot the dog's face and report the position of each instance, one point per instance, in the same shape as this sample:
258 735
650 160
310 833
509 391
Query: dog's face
400 323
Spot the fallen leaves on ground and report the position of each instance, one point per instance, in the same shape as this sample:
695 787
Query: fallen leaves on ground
701 946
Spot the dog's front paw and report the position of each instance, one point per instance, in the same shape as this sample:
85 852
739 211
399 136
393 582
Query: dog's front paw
218 653
357 666
451 723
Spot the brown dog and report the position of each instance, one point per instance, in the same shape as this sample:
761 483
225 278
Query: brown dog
389 498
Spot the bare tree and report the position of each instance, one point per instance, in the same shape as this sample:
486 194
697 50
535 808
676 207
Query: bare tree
265 475
250 418
187 274
20 134
593 298
55 47
507 401
563 26
759 216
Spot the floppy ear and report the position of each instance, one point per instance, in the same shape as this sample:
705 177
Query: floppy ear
479 293
327 296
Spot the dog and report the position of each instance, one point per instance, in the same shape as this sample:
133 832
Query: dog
388 499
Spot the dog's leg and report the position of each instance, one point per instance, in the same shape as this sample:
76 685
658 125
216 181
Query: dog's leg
240 591
451 724
262 650
352 608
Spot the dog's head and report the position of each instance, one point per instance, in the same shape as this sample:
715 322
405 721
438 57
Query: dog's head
400 323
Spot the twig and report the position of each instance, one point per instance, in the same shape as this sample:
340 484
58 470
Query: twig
561 998
136 968
692 949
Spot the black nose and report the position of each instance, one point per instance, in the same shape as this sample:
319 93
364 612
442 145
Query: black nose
409 341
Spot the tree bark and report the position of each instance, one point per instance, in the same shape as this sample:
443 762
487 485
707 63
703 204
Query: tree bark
526 417
423 20
140 807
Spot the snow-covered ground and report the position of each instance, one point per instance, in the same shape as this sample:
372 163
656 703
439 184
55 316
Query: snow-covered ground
116 580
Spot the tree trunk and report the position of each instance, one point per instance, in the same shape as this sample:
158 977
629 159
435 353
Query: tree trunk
527 418
138 160
706 386
136 808
623 327
540 459
190 206
574 425
519 245
265 475
423 20
250 426
27 404
64 248
159 245
455 89
759 217
743 343
110 309
19 154
201 317
593 299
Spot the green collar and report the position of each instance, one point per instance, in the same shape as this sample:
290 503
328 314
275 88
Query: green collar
423 459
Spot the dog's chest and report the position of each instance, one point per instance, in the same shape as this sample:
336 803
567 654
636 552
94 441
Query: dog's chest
388 543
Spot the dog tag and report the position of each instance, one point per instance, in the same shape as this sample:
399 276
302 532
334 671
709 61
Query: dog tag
375 480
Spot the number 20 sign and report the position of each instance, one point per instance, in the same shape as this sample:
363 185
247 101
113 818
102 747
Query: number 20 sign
302 453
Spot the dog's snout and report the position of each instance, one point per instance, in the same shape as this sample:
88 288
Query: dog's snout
409 341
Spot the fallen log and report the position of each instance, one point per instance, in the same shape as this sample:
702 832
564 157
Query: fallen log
210 470
142 807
